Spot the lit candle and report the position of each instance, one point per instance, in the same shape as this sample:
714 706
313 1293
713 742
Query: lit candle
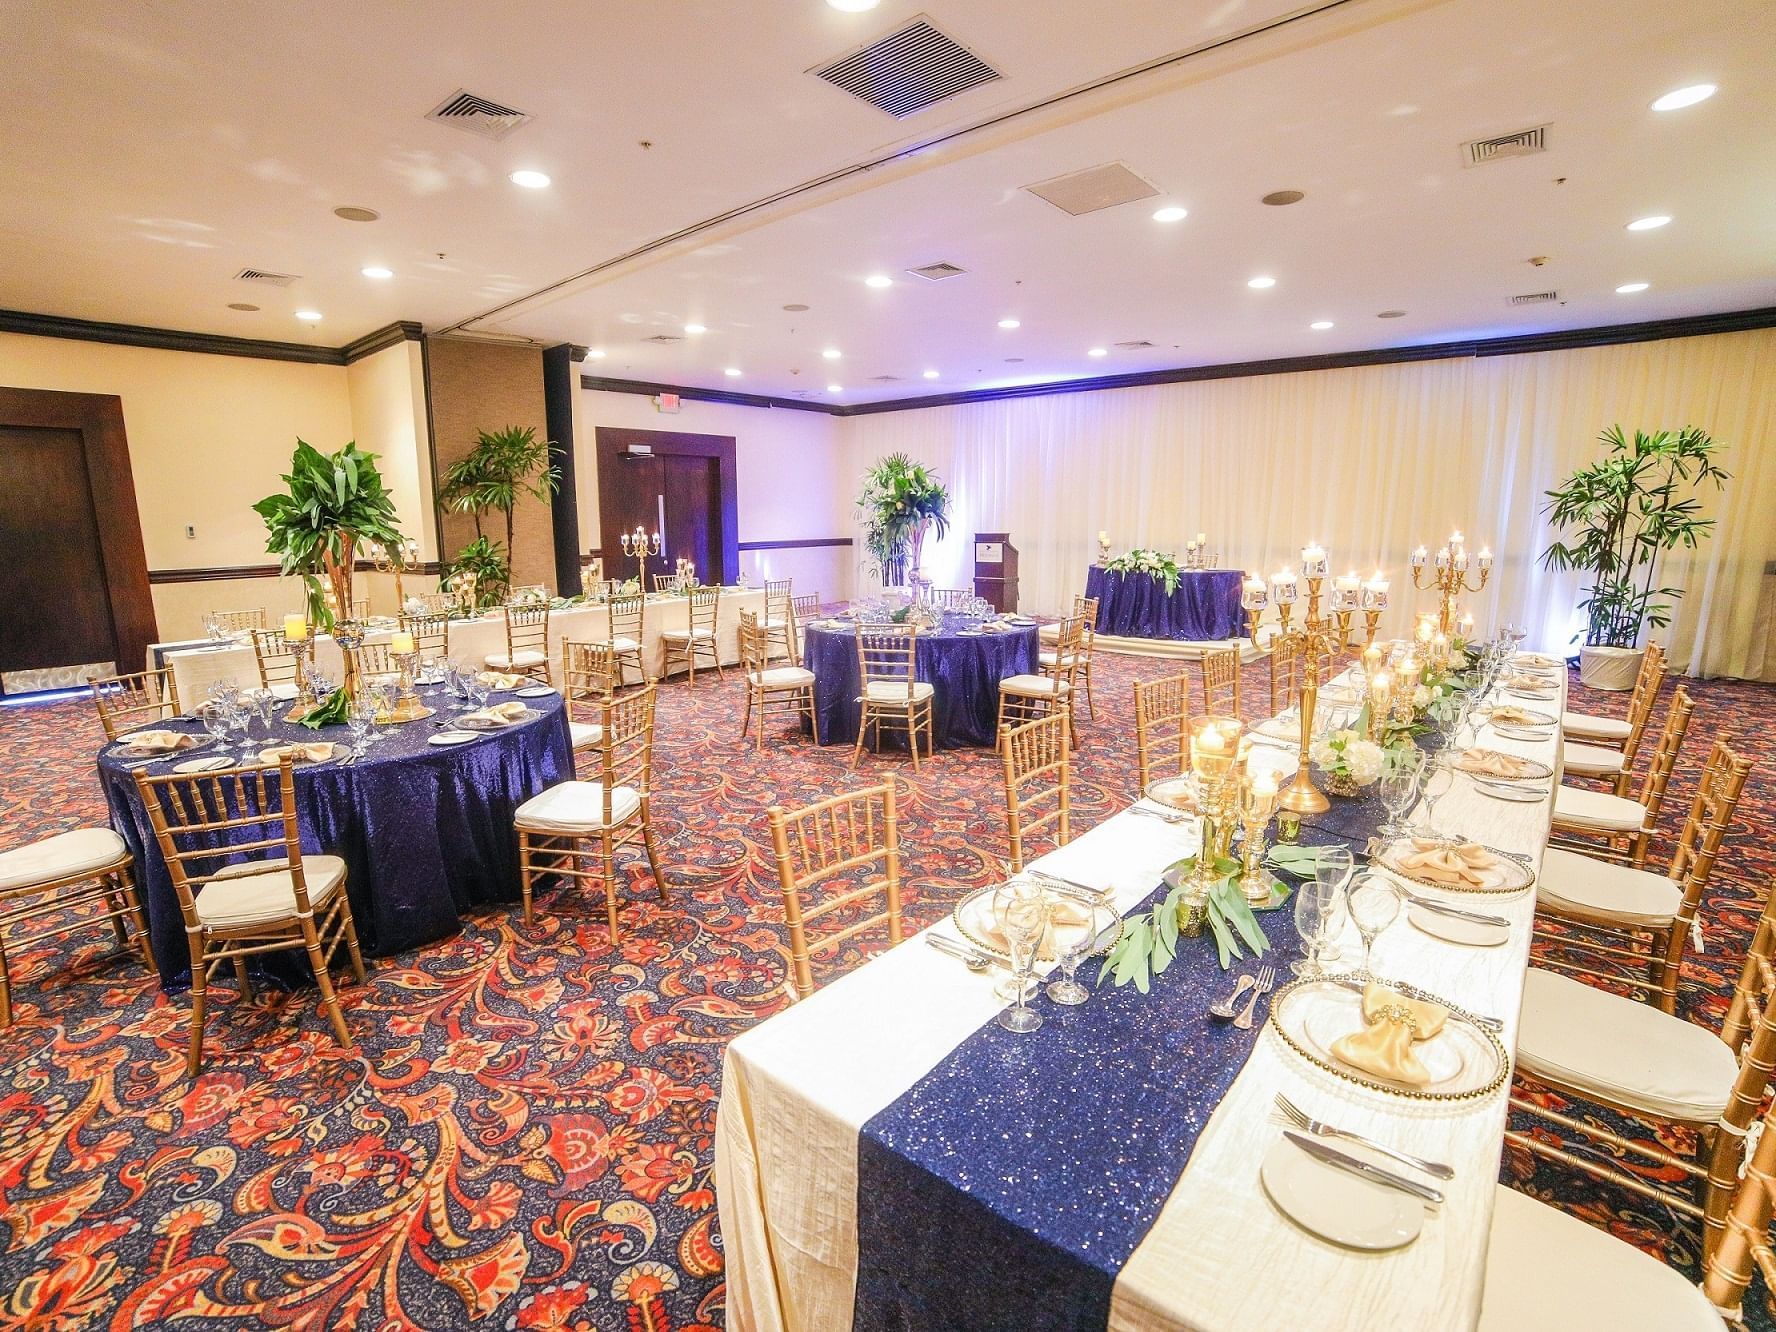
295 628
1103 538
1461 557
1419 557
1375 593
1282 587
1190 546
1456 538
1381 685
1442 557
1485 558
1439 646
1255 596
1408 670
1466 625
401 645
1424 631
1313 560
1371 660
1201 540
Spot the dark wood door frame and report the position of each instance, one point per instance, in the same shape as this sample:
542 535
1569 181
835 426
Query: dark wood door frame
99 419
612 440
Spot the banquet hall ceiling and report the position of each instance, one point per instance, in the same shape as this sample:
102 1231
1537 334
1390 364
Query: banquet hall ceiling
154 151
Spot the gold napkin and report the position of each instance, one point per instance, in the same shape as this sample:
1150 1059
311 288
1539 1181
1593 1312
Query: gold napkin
500 680
1060 909
1491 763
1533 683
503 713
1384 1046
158 742
1536 659
313 751
1504 712
1458 865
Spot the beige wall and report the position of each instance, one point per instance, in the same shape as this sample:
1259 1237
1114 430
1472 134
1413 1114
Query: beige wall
388 410
486 386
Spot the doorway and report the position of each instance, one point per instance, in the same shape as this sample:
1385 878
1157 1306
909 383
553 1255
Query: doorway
680 485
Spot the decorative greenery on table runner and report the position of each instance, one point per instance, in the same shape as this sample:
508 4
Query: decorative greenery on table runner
1157 563
334 710
1149 942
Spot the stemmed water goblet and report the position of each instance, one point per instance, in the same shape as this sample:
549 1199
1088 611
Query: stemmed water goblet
361 719
476 688
1022 910
1400 777
265 702
1374 904
1319 913
1333 866
1438 780
1073 939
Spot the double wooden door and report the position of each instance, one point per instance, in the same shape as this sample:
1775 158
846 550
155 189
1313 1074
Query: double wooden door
682 489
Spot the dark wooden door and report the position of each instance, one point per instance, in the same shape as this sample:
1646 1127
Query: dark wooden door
693 513
685 489
633 495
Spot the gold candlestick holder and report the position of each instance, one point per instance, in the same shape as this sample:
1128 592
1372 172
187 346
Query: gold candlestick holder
1448 574
1256 808
407 705
1214 762
303 650
1317 638
638 546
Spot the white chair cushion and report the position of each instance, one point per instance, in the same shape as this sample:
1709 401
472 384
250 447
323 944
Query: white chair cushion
685 635
623 644
1632 896
894 691
585 734
782 677
1587 727
78 852
261 891
576 807
1598 809
1033 686
1049 632
1592 760
518 660
1054 658
1547 1269
1620 1049
773 624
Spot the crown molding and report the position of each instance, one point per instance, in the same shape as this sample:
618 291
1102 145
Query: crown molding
212 344
648 390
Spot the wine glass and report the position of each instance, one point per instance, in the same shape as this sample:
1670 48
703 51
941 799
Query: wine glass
1073 939
476 688
1400 778
1374 905
265 701
240 719
1022 909
1318 916
215 721
361 719
1332 870
1439 779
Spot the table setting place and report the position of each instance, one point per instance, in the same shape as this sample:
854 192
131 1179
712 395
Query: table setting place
1177 1047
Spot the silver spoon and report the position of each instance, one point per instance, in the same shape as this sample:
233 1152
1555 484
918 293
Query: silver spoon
1223 1008
968 957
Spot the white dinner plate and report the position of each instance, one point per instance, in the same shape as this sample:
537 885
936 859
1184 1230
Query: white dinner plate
214 763
451 738
1337 1205
1469 933
1522 795
536 691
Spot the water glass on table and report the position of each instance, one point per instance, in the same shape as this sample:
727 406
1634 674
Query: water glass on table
1074 938
1401 775
1374 904
1319 914
1022 911
1333 866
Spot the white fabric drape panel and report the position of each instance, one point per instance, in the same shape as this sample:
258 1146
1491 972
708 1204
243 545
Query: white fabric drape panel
1370 462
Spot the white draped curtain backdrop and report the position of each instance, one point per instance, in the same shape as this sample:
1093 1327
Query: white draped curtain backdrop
1370 462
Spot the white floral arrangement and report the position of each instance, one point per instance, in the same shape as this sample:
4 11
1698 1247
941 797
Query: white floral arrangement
1153 562
1346 754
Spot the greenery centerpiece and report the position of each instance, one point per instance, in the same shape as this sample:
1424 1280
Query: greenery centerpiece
1149 942
503 467
901 501
1162 566
489 575
1620 515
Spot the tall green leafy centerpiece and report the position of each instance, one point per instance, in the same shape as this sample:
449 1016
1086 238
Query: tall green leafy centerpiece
503 467
900 503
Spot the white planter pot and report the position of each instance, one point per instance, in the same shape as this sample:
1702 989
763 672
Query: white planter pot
1609 667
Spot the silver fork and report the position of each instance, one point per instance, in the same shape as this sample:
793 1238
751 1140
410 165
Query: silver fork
1289 1112
1266 978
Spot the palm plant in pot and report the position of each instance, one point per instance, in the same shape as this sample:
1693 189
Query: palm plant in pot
900 503
503 467
1619 516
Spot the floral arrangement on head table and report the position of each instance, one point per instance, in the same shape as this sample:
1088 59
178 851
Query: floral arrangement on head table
1162 566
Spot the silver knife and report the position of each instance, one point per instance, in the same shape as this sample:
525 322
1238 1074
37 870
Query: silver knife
1445 909
1097 894
959 951
1333 1157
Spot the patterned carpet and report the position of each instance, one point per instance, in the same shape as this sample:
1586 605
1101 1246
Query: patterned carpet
522 1139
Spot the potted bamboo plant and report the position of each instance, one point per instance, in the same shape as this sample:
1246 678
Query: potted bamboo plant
1619 516
503 467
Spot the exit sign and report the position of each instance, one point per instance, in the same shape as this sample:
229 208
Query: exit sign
667 403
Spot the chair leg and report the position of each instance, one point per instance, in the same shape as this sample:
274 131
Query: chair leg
240 975
912 719
329 1000
526 873
5 990
1091 707
199 981
746 720
351 940
115 905
862 726
132 900
653 853
813 717
1668 947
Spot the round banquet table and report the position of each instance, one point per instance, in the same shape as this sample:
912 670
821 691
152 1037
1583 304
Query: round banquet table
964 671
425 830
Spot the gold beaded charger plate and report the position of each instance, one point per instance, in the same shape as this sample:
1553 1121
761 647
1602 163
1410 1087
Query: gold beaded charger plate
1529 770
1516 716
1172 792
489 724
536 691
973 917
1464 1060
298 757
1506 874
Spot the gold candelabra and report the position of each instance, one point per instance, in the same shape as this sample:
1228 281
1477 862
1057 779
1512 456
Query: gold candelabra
638 546
397 560
1448 574
1215 766
407 705
302 650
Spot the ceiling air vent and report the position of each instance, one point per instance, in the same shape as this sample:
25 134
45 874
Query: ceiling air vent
1536 298
1140 344
908 70
884 379
937 272
1521 143
477 115
264 277
1093 189
664 339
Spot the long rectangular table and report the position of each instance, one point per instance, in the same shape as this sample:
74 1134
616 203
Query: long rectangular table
197 666
1205 606
798 1090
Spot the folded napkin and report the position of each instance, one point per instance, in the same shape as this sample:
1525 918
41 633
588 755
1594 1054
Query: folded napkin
1061 910
1535 659
503 713
1504 712
501 680
316 751
1491 763
1533 683
1458 866
1384 1046
158 742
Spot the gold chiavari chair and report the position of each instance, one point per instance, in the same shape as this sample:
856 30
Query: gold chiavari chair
1625 824
698 640
1654 911
779 623
126 702
1024 698
590 675
952 598
628 615
431 634
1285 672
1221 681
1594 729
803 610
672 582
277 663
1610 759
1162 732
1038 770
58 877
574 829
771 691
238 621
830 839
527 643
1084 608
1050 658
374 659
890 691
276 898
1642 1062
1744 1241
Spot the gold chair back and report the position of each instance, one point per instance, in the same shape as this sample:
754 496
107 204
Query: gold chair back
527 630
277 663
705 604
238 621
779 598
628 754
754 644
806 608
1671 738
626 616
1162 731
952 598
589 672
372 659
127 702
1285 671
1221 681
886 654
209 824
431 634
837 837
1037 770
1647 683
438 603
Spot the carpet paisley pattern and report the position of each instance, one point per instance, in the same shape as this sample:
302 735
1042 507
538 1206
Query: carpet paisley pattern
522 1139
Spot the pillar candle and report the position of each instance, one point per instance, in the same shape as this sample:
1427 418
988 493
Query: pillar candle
1419 557
1282 587
401 645
295 628
1255 596
1485 558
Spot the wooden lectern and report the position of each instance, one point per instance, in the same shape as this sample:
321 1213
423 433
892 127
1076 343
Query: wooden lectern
996 570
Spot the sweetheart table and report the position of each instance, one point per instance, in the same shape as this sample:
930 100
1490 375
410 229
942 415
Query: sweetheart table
1113 1179
1204 608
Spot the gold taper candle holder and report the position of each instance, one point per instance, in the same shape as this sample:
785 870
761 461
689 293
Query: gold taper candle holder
407 705
1215 764
1316 638
303 650
1257 804
1448 574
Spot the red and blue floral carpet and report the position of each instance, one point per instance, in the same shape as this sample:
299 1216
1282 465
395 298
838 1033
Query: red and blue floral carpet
522 1138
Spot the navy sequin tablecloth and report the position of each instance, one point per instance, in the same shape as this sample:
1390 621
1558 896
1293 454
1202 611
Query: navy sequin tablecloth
964 672
425 830
1206 605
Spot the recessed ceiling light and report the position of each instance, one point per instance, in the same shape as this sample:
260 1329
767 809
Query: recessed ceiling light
378 272
835 388
1009 323
1014 360
1629 288
931 374
1321 324
1391 314
1679 98
853 6
694 329
1260 283
1652 223
1282 198
1173 214
350 213
1098 351
309 316
530 180
595 354
732 372
241 305
831 353
878 280
795 308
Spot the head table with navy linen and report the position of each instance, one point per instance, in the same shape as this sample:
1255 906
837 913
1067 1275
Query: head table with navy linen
962 658
1204 607
425 828
889 1156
